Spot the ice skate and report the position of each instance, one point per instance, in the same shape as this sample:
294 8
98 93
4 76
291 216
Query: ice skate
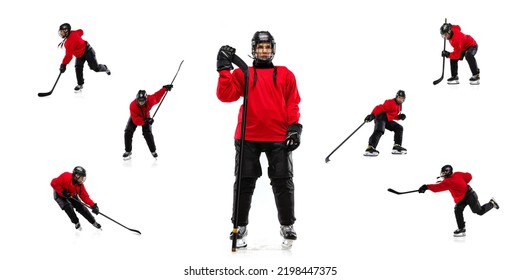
453 80
241 237
289 235
78 226
459 232
127 155
371 152
96 225
398 150
494 203
78 89
108 71
475 79
155 155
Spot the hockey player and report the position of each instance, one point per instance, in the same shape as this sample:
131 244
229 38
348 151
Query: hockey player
385 116
140 116
462 193
272 127
70 185
464 46
81 49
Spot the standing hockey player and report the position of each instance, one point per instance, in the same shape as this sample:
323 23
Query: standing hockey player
70 185
463 195
385 116
81 49
464 46
272 127
140 116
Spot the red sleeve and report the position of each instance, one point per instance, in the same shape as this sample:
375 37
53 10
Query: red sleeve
442 186
156 97
230 85
467 177
58 184
293 99
84 196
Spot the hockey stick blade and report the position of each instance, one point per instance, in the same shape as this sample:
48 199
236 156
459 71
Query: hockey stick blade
396 192
43 94
438 80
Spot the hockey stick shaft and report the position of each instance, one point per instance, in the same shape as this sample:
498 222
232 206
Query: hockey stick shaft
236 199
443 61
327 159
42 94
167 92
133 230
396 192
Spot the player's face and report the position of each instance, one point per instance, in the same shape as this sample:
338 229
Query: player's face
141 102
264 51
446 35
63 33
80 179
400 100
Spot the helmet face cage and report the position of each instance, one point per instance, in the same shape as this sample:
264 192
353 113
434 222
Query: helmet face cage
141 98
263 37
64 30
79 174
446 171
445 28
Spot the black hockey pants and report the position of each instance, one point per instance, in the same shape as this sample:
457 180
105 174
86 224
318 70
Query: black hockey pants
470 199
380 124
68 205
90 57
147 133
469 54
280 172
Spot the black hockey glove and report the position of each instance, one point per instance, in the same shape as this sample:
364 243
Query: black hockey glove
225 58
65 193
148 121
95 209
370 118
292 139
63 67
445 54
423 188
168 87
401 117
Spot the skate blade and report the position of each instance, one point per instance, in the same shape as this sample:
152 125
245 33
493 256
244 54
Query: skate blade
241 244
398 153
370 155
453 83
459 235
475 83
127 158
287 244
78 91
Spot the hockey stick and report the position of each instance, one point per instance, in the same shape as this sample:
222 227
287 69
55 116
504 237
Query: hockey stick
443 61
134 230
245 69
43 94
167 92
396 192
327 159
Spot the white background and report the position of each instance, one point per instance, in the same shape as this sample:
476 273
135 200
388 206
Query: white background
347 58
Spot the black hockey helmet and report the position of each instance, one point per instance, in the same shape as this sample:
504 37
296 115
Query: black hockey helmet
445 28
263 37
446 171
141 97
78 172
400 93
64 30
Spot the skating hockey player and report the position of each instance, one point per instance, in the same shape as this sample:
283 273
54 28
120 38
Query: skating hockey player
464 46
70 185
463 195
385 116
272 127
140 116
81 49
